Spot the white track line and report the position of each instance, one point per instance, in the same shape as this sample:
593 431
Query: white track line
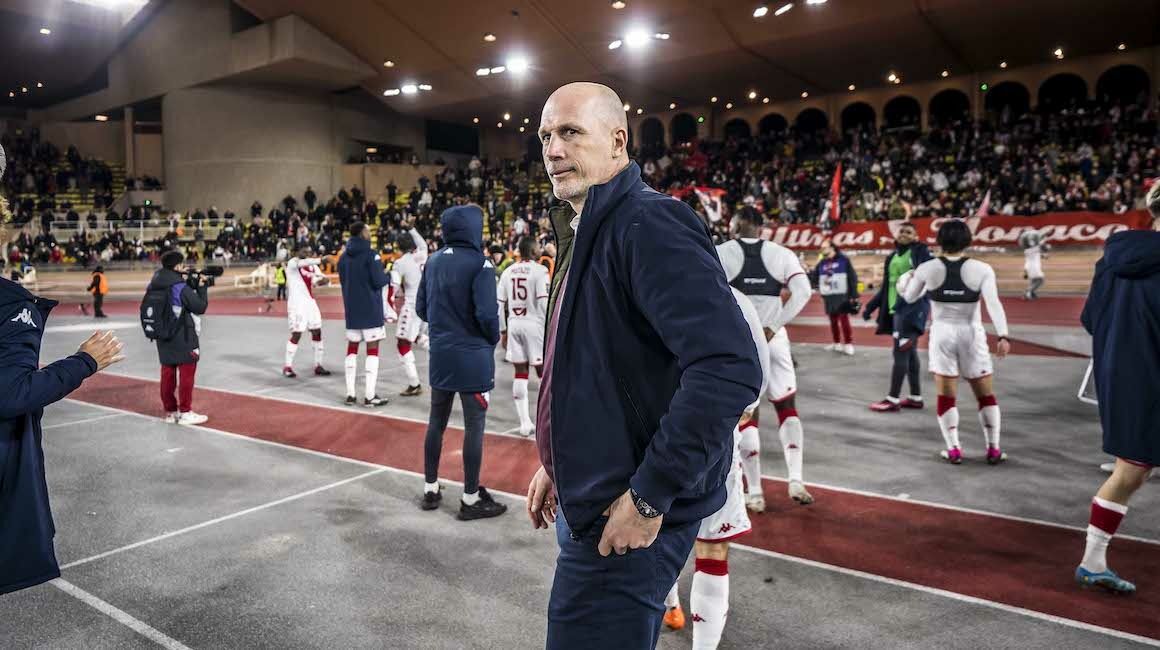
519 499
91 327
140 627
907 499
241 513
97 418
514 433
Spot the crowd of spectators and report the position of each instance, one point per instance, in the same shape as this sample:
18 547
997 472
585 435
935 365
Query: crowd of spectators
38 173
1083 158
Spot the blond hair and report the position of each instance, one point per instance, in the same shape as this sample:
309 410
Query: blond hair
1153 199
5 217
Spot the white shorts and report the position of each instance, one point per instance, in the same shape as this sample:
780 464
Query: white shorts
732 520
409 323
525 342
1033 268
369 335
782 378
305 316
959 350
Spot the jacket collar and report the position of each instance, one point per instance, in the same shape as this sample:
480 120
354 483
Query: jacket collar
11 292
598 205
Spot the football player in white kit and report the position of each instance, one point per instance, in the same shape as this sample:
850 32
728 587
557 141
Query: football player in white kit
523 306
761 269
406 275
302 275
709 602
958 342
1034 249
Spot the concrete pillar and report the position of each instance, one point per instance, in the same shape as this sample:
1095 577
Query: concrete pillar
130 143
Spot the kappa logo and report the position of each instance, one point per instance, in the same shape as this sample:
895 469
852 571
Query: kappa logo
725 528
25 316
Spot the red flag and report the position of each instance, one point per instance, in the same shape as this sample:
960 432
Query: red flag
835 196
985 207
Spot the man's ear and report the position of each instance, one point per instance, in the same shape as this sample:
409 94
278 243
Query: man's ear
619 142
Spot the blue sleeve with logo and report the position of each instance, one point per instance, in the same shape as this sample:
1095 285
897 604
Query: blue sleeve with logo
24 386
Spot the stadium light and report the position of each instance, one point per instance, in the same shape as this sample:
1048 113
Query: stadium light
784 8
475 120
46 31
626 107
805 94
11 94
946 73
714 100
410 89
498 69
753 94
984 87
39 85
614 44
499 124
483 72
101 118
507 116
424 86
1003 65
24 89
700 119
891 77
618 4
521 129
815 2
1058 52
672 106
729 106
391 92
1122 46
372 149
388 64
636 38
764 100
518 64
760 11
489 37
661 36
639 111
526 120
851 87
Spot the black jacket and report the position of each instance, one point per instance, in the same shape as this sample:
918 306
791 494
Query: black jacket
908 319
185 346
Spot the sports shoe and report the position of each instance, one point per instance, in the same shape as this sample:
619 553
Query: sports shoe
322 372
411 391
1105 579
189 418
675 618
289 372
431 500
528 432
1108 467
995 456
833 347
351 400
755 502
484 508
375 401
848 350
798 492
952 456
172 417
885 406
908 403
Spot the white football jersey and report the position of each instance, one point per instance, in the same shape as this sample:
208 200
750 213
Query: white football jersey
302 275
524 288
408 269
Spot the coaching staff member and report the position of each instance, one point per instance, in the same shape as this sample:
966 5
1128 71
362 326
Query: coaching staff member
649 364
27 557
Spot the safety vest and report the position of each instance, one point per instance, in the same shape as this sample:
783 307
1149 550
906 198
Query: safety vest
280 275
102 284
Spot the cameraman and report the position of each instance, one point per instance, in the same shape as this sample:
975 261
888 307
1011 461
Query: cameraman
179 354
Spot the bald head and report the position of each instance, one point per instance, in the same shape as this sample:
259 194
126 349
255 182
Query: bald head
584 135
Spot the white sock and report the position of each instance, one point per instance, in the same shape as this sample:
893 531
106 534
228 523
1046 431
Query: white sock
350 365
674 598
372 374
520 395
1095 554
948 422
319 352
709 604
291 350
431 487
790 433
990 420
471 499
751 458
409 368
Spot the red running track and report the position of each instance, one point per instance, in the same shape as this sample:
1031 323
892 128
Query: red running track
1021 564
1046 311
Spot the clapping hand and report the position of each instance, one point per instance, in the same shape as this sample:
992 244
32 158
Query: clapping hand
104 348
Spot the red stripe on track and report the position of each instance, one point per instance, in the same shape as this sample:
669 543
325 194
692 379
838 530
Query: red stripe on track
1017 563
866 338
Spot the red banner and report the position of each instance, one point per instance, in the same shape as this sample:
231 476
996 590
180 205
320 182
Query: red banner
1058 229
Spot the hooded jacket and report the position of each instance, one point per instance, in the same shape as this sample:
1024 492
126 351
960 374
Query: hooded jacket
1122 313
27 557
653 361
457 299
360 270
190 304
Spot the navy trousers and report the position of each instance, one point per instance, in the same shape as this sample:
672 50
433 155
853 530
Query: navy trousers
616 601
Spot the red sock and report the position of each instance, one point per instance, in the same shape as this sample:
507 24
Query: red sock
945 404
712 567
1105 519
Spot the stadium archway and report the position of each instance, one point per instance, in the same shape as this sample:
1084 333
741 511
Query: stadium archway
858 116
1126 84
652 133
737 128
902 111
948 107
683 128
810 120
772 123
1009 100
1061 91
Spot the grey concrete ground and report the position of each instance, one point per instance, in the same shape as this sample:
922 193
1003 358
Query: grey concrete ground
356 565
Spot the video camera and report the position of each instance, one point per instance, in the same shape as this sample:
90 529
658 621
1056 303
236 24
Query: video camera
205 276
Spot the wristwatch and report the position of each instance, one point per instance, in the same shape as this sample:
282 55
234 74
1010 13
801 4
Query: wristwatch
642 506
